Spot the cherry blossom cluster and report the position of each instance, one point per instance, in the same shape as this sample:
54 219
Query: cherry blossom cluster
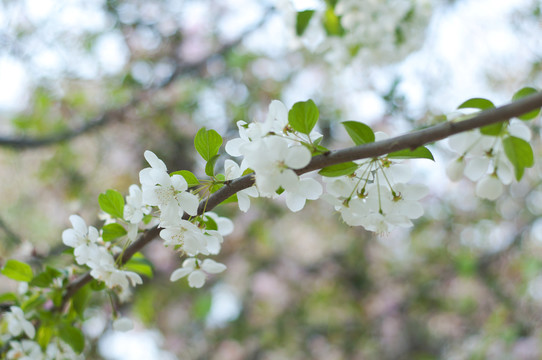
273 151
482 158
377 195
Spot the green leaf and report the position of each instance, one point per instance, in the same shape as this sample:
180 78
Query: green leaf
17 270
359 132
190 178
41 280
96 285
526 91
207 143
139 264
210 166
113 231
332 23
112 203
477 103
8 297
44 335
33 302
80 300
210 223
303 116
247 171
73 337
493 129
302 21
346 168
231 199
520 154
419 153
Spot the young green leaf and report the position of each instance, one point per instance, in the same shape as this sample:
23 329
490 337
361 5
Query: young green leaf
8 297
332 23
493 129
526 91
207 143
477 103
419 153
210 166
346 168
72 336
112 203
520 154
44 335
42 280
17 270
113 231
80 300
190 178
359 132
139 264
303 116
302 21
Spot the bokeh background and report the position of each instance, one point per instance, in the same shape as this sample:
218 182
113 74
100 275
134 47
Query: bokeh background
87 86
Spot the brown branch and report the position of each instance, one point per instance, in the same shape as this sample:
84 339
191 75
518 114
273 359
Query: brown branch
408 141
25 142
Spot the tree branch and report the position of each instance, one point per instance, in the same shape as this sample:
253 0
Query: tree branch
25 142
380 148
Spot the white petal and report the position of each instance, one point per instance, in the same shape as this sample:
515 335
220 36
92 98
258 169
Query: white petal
196 279
154 161
189 203
518 129
297 157
311 188
243 201
234 145
476 168
28 329
294 201
455 169
489 188
179 273
69 238
179 183
225 226
212 266
79 225
289 180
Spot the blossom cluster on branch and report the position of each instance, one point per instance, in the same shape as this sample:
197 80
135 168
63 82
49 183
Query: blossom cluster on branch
44 320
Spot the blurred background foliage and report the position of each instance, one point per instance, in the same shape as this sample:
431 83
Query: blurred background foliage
87 86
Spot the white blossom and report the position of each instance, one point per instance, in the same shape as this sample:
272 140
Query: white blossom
24 350
167 192
18 324
103 268
196 271
83 239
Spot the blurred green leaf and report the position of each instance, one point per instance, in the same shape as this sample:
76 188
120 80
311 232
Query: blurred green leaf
302 21
17 270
